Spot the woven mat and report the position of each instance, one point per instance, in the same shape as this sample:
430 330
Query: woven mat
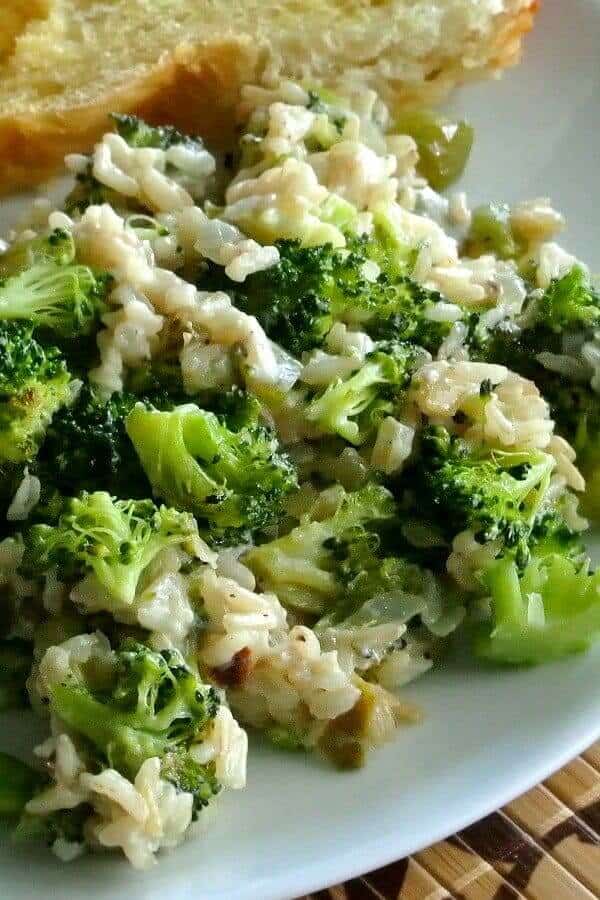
543 846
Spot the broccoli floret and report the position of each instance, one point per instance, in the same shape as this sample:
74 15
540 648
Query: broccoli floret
16 660
229 477
575 408
112 539
142 704
34 384
138 133
237 408
87 447
548 610
57 247
567 312
303 567
122 709
18 783
192 777
569 304
497 494
568 308
158 378
551 535
291 300
23 358
379 589
353 408
298 300
53 291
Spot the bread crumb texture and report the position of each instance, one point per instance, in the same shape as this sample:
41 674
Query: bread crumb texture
66 64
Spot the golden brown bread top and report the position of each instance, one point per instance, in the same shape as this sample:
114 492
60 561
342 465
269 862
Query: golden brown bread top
65 64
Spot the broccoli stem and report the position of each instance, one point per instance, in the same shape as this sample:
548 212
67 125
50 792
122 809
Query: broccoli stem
549 611
503 581
335 409
109 731
514 645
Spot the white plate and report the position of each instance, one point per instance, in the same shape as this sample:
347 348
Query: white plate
487 735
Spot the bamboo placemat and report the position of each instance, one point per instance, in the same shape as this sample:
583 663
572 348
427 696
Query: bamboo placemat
543 846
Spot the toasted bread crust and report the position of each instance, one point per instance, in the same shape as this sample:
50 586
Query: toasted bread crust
196 87
505 53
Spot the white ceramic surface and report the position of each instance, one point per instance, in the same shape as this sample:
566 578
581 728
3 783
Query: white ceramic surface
487 735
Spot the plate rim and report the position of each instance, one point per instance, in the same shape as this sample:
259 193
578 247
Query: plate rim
332 874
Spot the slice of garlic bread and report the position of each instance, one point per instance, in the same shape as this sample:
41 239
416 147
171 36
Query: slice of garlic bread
65 64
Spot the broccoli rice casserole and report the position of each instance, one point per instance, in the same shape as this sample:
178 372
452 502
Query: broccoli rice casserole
276 427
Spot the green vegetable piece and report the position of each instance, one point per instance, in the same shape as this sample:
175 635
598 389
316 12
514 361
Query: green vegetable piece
444 145
548 611
490 232
88 191
113 540
192 777
569 304
138 133
87 447
64 824
590 466
34 384
559 319
41 283
496 493
153 705
383 590
58 247
228 477
353 408
303 567
347 738
289 739
364 285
